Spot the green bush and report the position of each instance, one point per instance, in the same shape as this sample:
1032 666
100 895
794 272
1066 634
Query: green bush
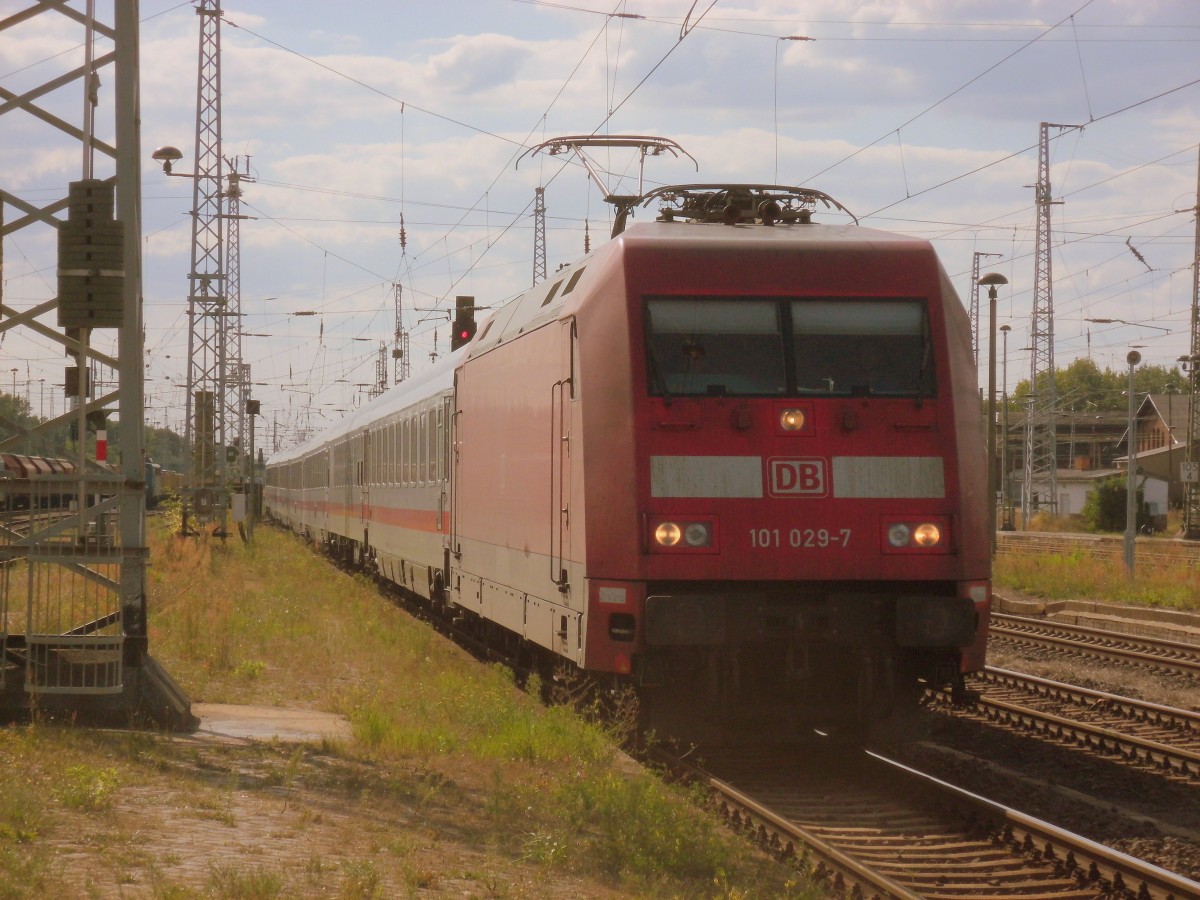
1106 504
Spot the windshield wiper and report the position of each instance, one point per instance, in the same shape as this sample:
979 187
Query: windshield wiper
656 376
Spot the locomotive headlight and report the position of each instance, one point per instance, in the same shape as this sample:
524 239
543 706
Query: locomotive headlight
927 535
682 535
916 536
898 535
791 419
668 534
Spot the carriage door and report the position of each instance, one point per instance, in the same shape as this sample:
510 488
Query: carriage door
445 440
454 427
562 392
364 477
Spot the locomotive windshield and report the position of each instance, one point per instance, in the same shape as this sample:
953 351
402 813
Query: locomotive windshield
767 347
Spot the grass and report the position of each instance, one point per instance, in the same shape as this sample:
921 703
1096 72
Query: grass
1076 575
1162 576
455 782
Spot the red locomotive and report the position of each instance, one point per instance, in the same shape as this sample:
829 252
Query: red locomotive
734 458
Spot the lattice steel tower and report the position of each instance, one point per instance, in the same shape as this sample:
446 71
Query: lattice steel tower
1040 486
974 309
1191 503
74 543
381 373
400 349
236 377
539 235
204 495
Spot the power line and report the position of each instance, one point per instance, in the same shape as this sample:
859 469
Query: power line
953 93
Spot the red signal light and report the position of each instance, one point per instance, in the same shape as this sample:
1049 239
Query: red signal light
464 322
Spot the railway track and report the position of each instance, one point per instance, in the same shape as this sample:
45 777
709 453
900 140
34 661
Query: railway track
1135 732
1173 656
872 827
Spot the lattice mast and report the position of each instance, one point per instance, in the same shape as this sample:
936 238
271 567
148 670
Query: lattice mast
539 235
403 365
1040 486
204 496
381 373
1191 503
974 308
236 376
80 630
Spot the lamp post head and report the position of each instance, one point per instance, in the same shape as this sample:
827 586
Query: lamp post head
167 155
990 281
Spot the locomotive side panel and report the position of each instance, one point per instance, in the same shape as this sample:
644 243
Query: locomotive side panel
976 549
516 531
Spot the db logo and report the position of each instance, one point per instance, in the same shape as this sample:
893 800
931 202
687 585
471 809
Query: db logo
797 477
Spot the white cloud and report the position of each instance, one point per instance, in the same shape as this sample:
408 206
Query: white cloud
906 108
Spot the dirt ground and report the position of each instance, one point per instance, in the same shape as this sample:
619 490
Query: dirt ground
210 815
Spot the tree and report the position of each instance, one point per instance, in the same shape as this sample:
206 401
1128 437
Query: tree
1082 386
1106 505
16 418
166 448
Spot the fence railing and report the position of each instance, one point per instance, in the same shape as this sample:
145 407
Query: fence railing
1147 550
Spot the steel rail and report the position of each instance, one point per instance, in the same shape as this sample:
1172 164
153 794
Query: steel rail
1103 863
1178 759
1015 627
1132 708
850 868
1079 866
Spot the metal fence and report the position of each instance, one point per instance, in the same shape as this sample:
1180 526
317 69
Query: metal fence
1147 550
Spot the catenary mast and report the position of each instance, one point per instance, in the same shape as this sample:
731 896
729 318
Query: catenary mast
204 496
1040 487
1191 503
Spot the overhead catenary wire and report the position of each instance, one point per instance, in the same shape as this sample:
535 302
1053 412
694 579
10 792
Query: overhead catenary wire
617 18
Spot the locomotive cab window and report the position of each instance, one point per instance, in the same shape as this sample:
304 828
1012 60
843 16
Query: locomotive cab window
862 347
699 346
753 346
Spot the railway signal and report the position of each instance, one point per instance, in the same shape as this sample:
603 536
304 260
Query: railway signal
464 322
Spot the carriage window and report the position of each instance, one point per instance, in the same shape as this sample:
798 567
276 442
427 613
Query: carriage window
410 430
714 346
862 347
404 452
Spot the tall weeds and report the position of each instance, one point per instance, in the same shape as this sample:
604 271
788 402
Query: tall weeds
1077 575
274 622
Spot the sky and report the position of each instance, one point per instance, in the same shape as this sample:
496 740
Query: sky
359 122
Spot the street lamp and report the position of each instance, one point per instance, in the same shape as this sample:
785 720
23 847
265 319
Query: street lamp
167 156
990 281
1130 470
